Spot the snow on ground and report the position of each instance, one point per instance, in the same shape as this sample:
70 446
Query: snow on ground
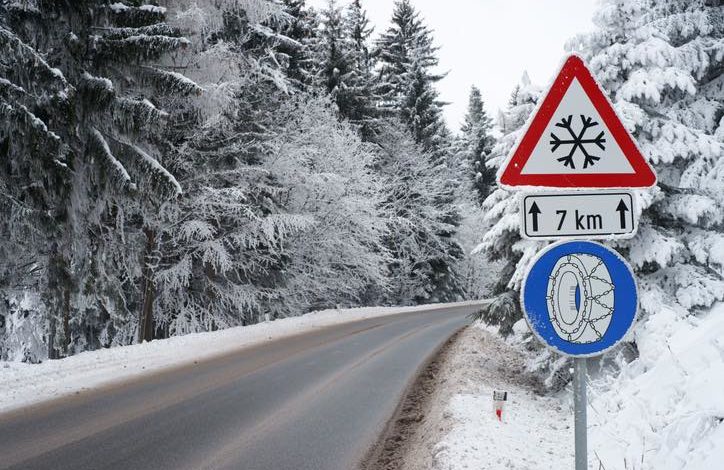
461 430
662 411
665 410
23 384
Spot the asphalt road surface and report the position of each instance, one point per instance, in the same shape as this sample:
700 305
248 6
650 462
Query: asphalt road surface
316 401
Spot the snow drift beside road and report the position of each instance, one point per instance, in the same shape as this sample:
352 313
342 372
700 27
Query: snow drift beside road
662 411
23 384
665 410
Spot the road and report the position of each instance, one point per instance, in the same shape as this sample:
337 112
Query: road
317 400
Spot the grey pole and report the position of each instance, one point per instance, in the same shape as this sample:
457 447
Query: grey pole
579 402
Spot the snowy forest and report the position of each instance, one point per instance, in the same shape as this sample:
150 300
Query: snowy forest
189 166
194 165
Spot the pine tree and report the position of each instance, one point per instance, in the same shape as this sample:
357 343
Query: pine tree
661 64
35 103
477 145
221 260
301 31
407 56
112 162
361 84
665 81
333 61
502 241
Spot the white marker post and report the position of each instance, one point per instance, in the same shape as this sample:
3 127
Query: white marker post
499 399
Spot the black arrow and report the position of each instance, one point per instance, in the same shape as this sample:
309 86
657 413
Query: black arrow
622 209
534 211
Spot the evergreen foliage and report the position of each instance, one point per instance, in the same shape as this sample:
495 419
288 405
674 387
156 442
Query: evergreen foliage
477 143
177 169
661 62
407 58
502 242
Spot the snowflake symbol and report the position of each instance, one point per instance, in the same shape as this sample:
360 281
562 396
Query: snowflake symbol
578 141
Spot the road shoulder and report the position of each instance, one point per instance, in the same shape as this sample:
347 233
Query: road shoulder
454 427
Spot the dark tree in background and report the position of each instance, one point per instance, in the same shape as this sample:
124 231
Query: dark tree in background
478 143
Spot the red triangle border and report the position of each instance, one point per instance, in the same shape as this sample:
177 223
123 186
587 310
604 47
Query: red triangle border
574 67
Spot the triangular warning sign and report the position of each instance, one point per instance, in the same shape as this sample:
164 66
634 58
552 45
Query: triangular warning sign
575 140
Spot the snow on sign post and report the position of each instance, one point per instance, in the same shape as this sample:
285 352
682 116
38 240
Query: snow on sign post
578 297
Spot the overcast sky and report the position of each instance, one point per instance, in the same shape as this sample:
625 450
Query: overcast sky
490 43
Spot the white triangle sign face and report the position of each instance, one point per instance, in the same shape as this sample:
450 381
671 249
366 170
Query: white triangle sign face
576 119
575 140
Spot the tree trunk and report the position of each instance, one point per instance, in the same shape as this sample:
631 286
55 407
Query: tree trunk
66 318
52 354
148 289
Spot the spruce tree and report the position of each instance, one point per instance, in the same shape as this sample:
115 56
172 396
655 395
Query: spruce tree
406 55
672 102
661 64
361 84
107 127
332 54
477 145
301 30
502 242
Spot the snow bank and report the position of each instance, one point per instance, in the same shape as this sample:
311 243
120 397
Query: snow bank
23 384
662 411
536 432
665 410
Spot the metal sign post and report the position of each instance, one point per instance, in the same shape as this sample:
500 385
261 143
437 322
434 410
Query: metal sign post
579 417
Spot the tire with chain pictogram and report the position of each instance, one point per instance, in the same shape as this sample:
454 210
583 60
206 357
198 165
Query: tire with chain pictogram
580 298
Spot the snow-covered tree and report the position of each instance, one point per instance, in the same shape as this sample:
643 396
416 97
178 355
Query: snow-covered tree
420 228
35 102
477 143
407 57
219 262
301 30
502 241
112 164
326 171
332 54
361 83
661 64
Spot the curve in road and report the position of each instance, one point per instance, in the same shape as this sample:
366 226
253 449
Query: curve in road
317 400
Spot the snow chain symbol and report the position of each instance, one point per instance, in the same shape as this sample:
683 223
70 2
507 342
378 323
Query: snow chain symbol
577 141
580 298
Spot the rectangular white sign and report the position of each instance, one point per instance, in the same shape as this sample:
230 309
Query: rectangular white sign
585 214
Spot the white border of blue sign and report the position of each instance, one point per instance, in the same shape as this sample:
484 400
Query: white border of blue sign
535 308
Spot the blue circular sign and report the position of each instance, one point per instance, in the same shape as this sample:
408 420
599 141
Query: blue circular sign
579 298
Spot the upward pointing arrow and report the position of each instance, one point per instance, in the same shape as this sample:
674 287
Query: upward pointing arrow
534 211
622 209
